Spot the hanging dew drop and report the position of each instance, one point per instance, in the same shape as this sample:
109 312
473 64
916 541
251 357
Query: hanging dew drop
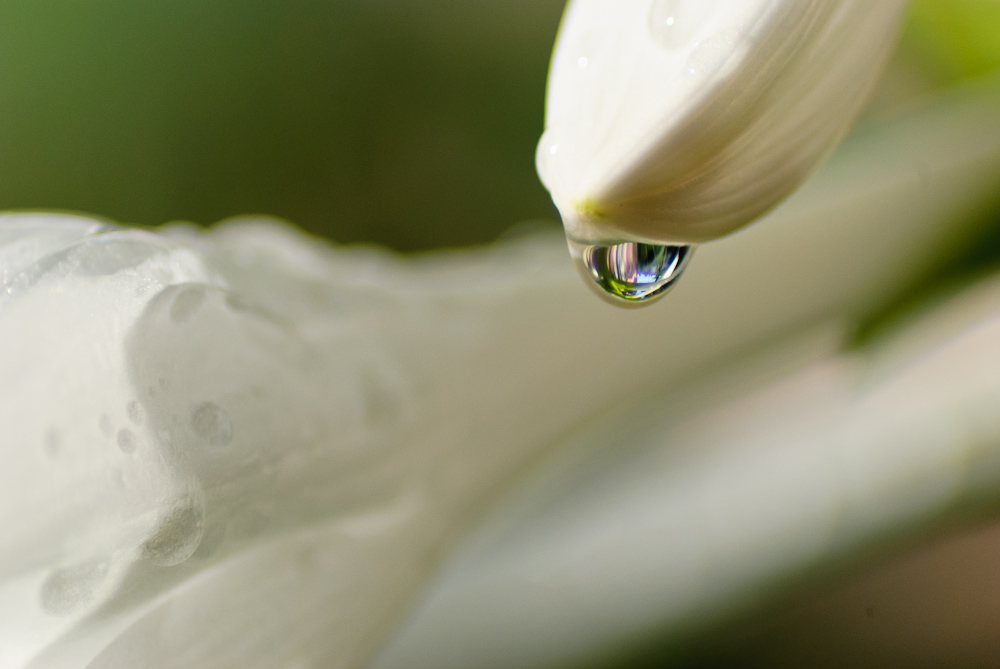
631 274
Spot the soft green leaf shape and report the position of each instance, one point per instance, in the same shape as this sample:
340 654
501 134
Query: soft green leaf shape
955 39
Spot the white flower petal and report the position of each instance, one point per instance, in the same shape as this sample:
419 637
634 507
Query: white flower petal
679 121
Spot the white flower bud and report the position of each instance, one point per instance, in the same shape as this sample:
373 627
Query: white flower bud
680 121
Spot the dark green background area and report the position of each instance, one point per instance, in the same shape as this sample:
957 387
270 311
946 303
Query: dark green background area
410 123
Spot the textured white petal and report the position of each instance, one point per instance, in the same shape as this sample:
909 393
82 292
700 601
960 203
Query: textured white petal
683 120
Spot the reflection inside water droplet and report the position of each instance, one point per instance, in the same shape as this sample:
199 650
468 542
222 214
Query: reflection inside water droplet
631 273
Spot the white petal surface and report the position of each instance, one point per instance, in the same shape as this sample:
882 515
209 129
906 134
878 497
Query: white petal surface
683 120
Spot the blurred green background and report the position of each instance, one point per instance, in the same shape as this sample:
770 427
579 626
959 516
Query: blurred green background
410 123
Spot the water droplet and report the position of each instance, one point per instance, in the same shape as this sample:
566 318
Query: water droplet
583 62
178 535
126 441
186 303
631 273
107 427
134 412
71 589
674 23
548 145
212 423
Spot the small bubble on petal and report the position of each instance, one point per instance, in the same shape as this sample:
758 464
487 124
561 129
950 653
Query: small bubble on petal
212 423
126 441
178 535
134 412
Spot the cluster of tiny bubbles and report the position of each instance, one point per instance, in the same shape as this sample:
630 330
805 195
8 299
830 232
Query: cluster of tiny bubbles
178 534
70 589
631 273
134 412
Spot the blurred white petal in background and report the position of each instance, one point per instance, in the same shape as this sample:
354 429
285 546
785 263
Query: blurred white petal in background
710 493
